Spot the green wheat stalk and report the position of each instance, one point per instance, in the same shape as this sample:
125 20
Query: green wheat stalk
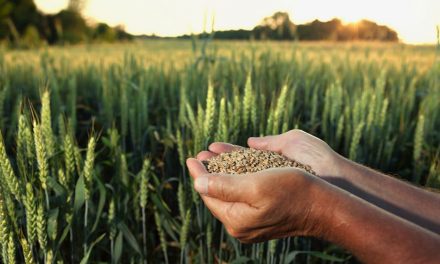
209 112
11 250
46 124
279 110
8 174
31 213
143 199
27 252
69 159
41 153
160 231
184 231
42 227
419 138
247 101
355 141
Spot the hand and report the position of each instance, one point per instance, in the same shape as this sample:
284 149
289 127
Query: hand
269 204
294 144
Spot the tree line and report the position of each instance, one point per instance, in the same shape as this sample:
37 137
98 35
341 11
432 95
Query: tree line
280 27
23 25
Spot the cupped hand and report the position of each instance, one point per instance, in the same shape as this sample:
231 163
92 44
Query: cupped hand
294 144
265 205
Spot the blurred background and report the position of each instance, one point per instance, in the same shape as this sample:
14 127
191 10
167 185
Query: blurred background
29 23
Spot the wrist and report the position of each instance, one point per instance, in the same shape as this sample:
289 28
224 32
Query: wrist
325 198
343 168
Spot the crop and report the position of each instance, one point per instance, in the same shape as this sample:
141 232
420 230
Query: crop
246 160
94 139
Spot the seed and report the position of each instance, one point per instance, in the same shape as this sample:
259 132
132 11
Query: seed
247 160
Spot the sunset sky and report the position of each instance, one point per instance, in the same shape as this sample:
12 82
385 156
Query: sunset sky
414 20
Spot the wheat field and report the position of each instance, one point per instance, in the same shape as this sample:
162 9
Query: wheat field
94 139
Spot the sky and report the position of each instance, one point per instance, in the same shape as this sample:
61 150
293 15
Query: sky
414 20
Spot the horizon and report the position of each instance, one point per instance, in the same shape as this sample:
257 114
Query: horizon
141 18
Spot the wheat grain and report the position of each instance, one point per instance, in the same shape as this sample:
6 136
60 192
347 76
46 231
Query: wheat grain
31 213
186 221
181 200
355 141
21 144
27 252
41 154
247 101
111 218
279 110
46 124
41 227
69 159
4 223
49 256
222 131
8 173
208 123
124 169
143 188
419 137
88 167
11 250
163 242
180 148
249 161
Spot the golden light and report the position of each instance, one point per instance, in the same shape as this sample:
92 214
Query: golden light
414 20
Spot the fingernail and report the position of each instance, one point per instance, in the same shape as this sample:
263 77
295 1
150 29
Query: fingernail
201 184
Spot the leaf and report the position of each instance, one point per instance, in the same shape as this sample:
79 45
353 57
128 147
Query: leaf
89 250
118 248
59 190
79 194
241 260
292 255
129 237
325 256
160 204
52 218
101 203
63 236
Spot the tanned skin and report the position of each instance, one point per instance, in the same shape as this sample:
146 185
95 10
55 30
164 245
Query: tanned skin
376 217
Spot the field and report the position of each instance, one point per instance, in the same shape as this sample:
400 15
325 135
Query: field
94 139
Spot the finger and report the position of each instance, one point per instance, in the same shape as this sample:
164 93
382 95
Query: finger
227 188
272 143
226 211
196 168
220 147
204 155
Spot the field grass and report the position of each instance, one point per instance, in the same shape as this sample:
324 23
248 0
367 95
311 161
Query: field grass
94 138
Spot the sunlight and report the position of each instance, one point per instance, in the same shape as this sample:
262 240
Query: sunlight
414 20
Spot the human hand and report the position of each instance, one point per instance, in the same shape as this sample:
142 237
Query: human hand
269 204
294 144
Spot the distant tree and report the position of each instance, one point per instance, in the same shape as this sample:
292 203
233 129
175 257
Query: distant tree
76 5
5 12
335 30
72 27
278 26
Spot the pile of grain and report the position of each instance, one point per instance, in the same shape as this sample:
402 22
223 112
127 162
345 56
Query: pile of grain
247 160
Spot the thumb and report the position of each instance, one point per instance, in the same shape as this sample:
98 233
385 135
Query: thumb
228 188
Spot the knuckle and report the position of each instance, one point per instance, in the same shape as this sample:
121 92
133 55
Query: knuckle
294 133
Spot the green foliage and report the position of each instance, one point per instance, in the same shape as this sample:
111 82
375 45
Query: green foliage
26 27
